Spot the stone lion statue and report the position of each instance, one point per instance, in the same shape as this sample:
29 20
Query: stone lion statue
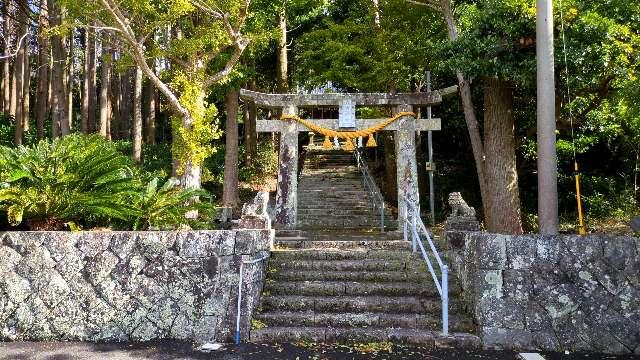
257 206
459 207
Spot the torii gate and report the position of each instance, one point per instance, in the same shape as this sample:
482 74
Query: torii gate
405 140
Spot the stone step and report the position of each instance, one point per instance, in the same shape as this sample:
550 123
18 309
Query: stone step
304 211
288 233
357 304
367 236
339 221
363 320
427 339
339 288
379 276
324 225
330 205
331 184
346 265
307 243
341 255
376 226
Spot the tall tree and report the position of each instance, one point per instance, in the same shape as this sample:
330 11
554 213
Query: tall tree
137 116
283 59
26 90
192 128
70 76
22 26
89 95
42 87
230 197
151 95
105 85
6 61
59 101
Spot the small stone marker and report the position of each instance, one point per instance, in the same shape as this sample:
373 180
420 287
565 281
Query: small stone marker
635 223
530 356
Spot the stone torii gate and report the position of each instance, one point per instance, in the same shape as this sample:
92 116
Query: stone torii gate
405 140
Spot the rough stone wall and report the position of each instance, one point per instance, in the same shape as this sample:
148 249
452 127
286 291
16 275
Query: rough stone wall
557 293
128 286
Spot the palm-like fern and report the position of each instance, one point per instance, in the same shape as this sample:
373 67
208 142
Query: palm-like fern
70 178
165 207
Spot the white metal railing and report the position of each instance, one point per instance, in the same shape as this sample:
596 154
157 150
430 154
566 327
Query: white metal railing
410 217
372 188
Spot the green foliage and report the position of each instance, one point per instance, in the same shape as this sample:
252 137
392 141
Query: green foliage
263 165
350 51
192 143
71 178
8 129
164 207
88 180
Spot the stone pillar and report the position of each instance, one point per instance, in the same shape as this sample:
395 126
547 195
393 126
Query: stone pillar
407 167
287 195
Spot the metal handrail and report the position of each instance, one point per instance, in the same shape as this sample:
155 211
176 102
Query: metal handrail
418 228
370 185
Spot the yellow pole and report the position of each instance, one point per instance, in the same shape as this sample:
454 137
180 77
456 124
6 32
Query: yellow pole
581 228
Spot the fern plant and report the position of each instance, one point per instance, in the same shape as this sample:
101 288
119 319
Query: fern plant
70 178
165 207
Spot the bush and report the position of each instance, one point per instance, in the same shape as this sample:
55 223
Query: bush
69 179
87 180
165 207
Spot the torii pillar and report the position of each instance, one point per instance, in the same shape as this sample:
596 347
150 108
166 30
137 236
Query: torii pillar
287 188
405 141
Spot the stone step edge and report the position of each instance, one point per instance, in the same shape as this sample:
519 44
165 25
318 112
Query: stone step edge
431 339
367 319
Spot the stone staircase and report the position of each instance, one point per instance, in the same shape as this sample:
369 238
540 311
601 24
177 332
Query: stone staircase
332 196
342 280
355 288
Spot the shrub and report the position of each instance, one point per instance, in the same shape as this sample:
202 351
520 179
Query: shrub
165 207
69 179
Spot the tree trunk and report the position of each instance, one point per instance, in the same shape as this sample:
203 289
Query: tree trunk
126 101
151 96
26 91
19 76
105 85
250 134
42 88
137 117
283 83
503 215
59 104
464 89
70 78
115 93
230 187
89 53
6 63
376 13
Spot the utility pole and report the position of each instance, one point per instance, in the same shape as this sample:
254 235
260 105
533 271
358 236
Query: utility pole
547 158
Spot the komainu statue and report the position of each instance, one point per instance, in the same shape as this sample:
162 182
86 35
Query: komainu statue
459 207
254 213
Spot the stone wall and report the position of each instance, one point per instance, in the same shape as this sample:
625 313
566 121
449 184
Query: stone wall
128 286
564 292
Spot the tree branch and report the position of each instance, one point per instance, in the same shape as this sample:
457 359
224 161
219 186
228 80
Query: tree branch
18 46
427 4
138 55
